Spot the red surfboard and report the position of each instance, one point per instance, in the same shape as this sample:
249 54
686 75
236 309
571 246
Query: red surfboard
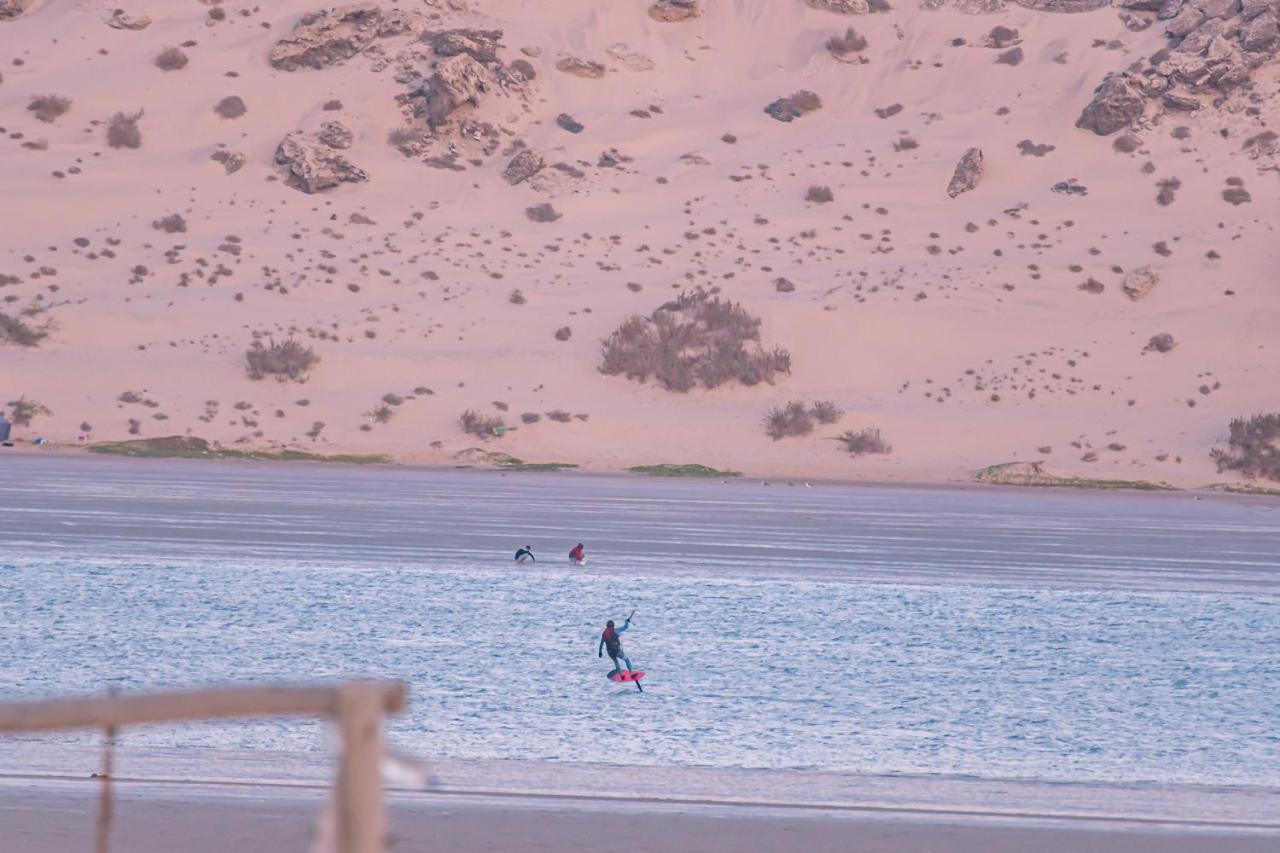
625 676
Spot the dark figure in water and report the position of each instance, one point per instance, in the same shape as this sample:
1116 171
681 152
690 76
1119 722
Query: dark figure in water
613 643
524 554
578 556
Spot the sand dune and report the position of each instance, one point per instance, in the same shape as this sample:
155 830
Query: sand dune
971 330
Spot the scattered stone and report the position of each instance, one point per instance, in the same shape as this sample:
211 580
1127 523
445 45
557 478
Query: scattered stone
967 174
312 165
523 166
328 37
1139 283
674 11
794 106
121 20
1162 342
581 68
480 45
1181 102
569 123
1116 103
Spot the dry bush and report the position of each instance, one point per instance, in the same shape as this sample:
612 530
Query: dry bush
49 107
171 59
15 330
542 213
790 420
484 426
517 298
820 195
232 106
559 416
171 224
284 361
846 44
330 106
123 132
1253 447
696 339
794 106
826 412
864 442
530 417
407 140
382 413
564 333
23 411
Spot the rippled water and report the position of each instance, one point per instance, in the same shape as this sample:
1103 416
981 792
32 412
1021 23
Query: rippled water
1058 637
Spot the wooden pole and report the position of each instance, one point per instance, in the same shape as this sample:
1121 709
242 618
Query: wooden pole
362 813
120 711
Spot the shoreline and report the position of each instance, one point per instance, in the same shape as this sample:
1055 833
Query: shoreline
1216 491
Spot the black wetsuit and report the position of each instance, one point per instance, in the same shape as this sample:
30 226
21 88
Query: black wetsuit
524 552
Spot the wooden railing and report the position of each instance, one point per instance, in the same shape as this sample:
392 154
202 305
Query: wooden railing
357 707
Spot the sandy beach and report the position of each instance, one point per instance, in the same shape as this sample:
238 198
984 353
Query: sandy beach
59 818
1097 298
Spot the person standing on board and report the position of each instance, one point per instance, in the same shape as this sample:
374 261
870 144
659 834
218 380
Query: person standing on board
578 556
525 554
610 640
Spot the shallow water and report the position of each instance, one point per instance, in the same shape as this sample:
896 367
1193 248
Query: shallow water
1097 638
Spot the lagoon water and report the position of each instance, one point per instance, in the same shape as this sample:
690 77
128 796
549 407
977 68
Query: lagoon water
998 634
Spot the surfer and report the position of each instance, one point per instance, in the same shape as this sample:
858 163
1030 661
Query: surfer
578 556
610 640
525 554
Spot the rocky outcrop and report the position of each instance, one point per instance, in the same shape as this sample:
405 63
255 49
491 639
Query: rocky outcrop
523 166
967 174
1116 103
313 165
1069 7
673 11
1139 283
480 45
1262 33
457 80
328 37
12 8
335 134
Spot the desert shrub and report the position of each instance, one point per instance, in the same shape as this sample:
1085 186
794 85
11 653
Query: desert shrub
391 398
1253 447
559 416
697 339
49 107
846 44
789 420
330 106
864 442
530 417
484 426
23 411
542 213
826 412
1013 56
382 413
171 59
794 106
231 106
879 5
123 132
564 333
284 361
171 224
784 285
130 397
517 298
407 140
15 330
820 195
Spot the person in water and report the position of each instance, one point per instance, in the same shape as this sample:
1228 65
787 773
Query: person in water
525 553
578 556
613 643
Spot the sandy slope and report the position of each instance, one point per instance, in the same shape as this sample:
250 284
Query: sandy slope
900 290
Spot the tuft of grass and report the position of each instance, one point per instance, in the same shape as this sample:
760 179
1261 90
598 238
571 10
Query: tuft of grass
694 340
864 442
517 298
484 426
171 59
49 107
23 411
826 412
171 224
559 416
123 131
787 421
1031 474
850 42
667 469
1253 447
15 330
190 447
285 361
530 417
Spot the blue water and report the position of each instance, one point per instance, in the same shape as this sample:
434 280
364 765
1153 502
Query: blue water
1147 676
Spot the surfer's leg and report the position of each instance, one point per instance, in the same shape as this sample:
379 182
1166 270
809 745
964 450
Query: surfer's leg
627 660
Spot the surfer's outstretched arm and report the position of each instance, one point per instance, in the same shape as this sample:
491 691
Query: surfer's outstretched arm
625 626
600 651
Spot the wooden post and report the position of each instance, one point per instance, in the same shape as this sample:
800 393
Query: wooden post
362 813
